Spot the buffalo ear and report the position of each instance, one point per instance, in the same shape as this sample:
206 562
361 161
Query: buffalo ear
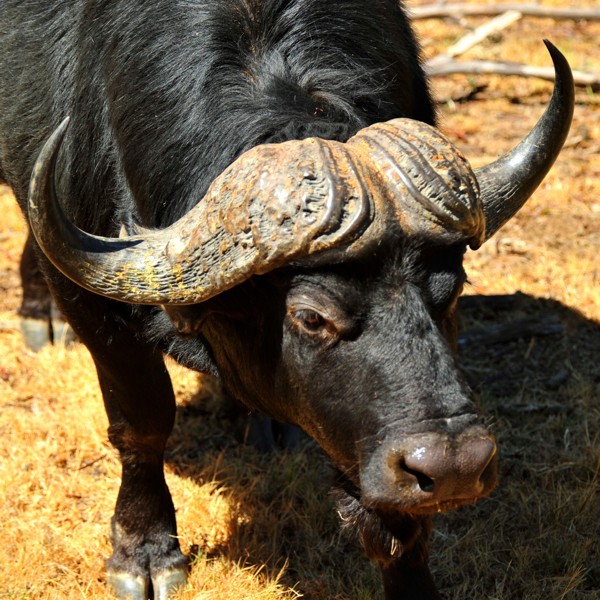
188 319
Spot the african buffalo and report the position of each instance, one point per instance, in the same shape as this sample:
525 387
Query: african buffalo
255 187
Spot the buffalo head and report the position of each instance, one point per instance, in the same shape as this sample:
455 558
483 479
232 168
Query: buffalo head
360 247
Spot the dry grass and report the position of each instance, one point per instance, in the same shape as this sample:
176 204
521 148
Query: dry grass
263 527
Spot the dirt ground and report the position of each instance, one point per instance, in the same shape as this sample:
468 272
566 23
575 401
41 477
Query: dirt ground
264 526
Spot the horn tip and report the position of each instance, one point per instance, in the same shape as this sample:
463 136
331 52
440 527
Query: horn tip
563 73
65 122
60 131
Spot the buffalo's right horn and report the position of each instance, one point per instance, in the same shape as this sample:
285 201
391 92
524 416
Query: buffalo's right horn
508 182
274 204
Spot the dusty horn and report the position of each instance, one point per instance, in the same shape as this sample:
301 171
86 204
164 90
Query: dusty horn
275 204
508 182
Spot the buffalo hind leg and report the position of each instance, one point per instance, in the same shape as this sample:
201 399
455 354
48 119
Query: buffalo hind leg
261 431
36 302
41 321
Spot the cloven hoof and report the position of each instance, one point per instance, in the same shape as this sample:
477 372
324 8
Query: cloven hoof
131 587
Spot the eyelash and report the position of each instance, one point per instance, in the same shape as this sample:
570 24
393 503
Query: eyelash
310 320
314 326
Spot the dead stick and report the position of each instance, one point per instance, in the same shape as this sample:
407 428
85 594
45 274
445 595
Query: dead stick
440 11
505 332
474 37
478 67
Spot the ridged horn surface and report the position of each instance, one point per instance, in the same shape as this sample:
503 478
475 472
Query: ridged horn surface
508 182
275 204
424 177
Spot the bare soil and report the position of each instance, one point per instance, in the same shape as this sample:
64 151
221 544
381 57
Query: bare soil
264 526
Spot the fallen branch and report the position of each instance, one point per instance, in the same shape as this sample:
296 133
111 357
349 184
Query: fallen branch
477 67
440 11
525 328
474 37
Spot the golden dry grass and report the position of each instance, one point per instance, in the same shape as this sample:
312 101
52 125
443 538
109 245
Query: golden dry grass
263 527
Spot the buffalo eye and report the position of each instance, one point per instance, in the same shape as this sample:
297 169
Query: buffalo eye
310 322
323 312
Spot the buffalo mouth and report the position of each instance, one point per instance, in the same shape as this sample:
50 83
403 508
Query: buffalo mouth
386 530
422 509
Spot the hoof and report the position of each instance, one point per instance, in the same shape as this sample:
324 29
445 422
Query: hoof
128 587
167 582
136 587
36 333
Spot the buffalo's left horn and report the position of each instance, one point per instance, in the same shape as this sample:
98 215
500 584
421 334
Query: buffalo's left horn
508 182
275 204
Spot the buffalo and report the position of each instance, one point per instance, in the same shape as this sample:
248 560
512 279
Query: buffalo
257 188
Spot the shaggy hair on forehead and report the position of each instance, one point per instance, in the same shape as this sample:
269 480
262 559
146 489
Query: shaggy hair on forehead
238 74
164 96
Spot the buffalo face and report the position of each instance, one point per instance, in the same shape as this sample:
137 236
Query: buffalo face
323 278
360 356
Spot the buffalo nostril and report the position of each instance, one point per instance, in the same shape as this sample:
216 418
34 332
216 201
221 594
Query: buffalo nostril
445 468
488 473
425 483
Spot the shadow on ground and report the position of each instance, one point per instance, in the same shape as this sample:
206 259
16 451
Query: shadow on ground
534 364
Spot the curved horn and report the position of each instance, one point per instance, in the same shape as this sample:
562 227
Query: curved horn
508 182
424 177
276 203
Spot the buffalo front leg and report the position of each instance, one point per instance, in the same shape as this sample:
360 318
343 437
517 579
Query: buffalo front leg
140 405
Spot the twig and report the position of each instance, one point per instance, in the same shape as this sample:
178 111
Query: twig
90 463
439 11
474 37
505 332
444 64
477 67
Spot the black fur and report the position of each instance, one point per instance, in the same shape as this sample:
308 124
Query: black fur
162 97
